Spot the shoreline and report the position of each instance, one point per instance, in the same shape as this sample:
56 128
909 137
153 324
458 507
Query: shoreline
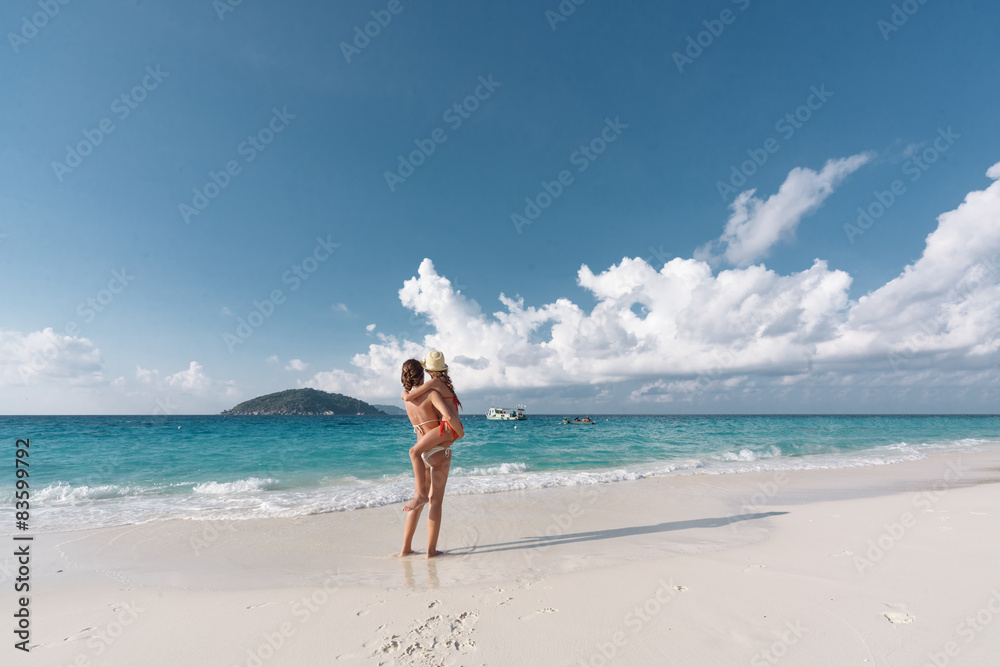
724 560
258 496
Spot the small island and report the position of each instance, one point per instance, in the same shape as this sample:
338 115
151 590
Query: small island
390 409
303 402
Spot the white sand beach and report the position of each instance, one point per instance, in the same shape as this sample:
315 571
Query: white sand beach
884 565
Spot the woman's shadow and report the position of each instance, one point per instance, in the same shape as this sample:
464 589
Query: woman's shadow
570 538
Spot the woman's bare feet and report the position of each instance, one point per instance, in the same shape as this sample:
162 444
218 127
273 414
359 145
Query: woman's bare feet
419 501
406 552
436 553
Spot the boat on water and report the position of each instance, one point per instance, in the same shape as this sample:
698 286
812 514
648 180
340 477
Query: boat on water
585 420
502 414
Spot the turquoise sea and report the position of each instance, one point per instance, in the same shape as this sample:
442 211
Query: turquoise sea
101 471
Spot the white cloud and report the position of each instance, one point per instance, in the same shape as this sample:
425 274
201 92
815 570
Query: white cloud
756 225
146 376
191 381
273 359
945 303
740 331
296 365
44 372
341 308
45 356
370 328
189 390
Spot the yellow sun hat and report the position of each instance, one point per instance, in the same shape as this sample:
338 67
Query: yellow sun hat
434 361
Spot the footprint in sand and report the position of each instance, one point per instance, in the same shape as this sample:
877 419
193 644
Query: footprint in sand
391 644
433 641
680 588
433 603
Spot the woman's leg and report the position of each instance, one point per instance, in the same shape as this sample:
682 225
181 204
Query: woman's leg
410 527
433 438
439 478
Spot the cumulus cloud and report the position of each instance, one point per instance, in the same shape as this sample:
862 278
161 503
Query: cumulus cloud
146 376
296 365
740 330
944 306
192 381
188 390
756 225
47 356
45 372
760 317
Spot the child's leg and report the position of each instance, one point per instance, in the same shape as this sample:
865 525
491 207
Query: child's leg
448 413
426 442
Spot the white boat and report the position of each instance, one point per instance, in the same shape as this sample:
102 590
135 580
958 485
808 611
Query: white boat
501 414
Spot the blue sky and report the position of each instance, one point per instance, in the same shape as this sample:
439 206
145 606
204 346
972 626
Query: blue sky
224 76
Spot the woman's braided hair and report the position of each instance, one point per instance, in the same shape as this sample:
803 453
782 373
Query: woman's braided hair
413 374
443 376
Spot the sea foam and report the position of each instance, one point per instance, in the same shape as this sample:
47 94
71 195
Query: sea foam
61 506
